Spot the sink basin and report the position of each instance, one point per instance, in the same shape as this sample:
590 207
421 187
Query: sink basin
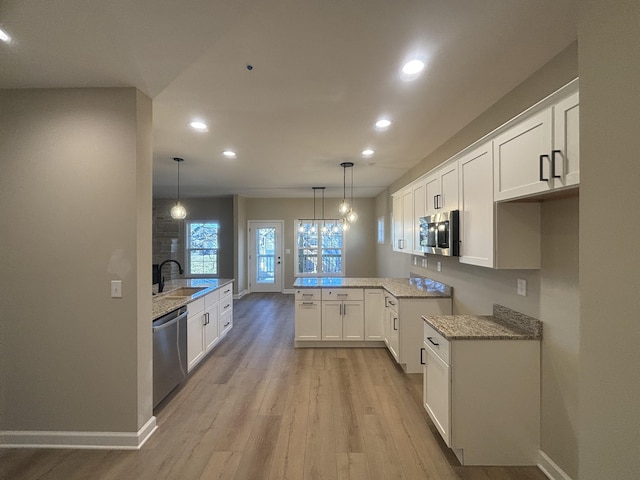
184 292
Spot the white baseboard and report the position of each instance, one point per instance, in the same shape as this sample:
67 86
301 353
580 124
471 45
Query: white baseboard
79 440
550 469
241 294
289 291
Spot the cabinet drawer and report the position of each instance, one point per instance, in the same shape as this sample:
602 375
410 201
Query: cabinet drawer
226 290
225 322
196 306
308 294
390 301
226 304
342 294
437 342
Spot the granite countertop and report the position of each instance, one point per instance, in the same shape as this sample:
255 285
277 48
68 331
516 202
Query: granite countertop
412 287
504 324
163 303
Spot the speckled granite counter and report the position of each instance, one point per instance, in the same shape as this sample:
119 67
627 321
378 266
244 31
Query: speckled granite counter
164 302
504 324
414 287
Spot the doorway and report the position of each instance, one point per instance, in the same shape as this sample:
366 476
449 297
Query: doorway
265 255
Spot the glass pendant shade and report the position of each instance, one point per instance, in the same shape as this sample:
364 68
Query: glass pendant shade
178 212
301 228
344 207
352 216
345 226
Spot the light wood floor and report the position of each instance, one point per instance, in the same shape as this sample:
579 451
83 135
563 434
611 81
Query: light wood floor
259 409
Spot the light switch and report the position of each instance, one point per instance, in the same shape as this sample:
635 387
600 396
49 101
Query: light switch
439 266
116 288
415 261
287 251
424 262
522 287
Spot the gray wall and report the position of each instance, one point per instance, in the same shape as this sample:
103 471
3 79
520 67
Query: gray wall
609 433
240 231
76 184
359 241
477 288
169 234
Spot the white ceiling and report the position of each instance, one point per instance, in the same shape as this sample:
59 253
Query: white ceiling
324 72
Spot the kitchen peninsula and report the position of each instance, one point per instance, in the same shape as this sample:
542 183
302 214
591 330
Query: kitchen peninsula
368 312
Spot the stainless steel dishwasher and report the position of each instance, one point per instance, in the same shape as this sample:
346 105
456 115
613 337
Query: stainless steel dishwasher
169 353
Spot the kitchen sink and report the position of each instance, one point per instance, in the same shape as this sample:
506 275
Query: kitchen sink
184 292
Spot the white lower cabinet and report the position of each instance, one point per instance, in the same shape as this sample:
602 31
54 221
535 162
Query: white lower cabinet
205 324
308 315
483 396
343 314
404 330
374 314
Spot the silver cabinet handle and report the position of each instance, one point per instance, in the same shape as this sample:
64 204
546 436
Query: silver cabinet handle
308 303
395 319
431 340
344 309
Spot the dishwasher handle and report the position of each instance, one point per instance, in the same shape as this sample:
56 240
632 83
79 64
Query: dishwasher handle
171 322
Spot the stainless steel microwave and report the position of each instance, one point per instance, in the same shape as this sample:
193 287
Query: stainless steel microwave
439 234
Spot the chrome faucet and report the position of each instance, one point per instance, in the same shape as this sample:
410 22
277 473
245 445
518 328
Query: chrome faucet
161 282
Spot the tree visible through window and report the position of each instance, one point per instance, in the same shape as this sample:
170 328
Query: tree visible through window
202 248
319 249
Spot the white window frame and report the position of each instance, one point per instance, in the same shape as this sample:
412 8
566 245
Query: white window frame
297 273
187 250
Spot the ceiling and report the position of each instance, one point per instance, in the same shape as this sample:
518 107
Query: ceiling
323 72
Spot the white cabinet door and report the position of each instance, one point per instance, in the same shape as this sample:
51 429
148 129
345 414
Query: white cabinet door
353 320
522 157
566 142
448 187
210 326
308 320
437 392
396 231
407 221
331 320
374 314
419 210
432 192
476 207
195 338
392 333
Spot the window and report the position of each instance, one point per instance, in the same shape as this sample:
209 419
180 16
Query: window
381 230
319 249
202 248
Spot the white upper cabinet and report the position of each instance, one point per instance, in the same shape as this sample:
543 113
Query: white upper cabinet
539 153
476 207
523 157
419 210
441 189
403 220
565 157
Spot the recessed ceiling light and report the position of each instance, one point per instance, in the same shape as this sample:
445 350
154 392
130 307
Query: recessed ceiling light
383 124
368 152
4 36
199 126
229 154
413 67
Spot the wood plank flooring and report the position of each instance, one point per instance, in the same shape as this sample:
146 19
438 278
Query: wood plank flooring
259 409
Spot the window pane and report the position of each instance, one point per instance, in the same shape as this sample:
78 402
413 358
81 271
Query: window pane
203 235
318 252
265 258
332 261
203 262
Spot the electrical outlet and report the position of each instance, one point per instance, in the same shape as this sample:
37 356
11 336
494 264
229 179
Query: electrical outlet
522 287
415 261
424 262
116 288
439 266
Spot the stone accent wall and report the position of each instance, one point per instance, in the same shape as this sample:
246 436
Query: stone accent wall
168 238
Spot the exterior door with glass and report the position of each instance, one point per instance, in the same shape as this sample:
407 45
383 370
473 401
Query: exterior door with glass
265 256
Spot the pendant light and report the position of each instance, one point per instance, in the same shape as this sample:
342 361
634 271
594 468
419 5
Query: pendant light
178 212
329 225
345 208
